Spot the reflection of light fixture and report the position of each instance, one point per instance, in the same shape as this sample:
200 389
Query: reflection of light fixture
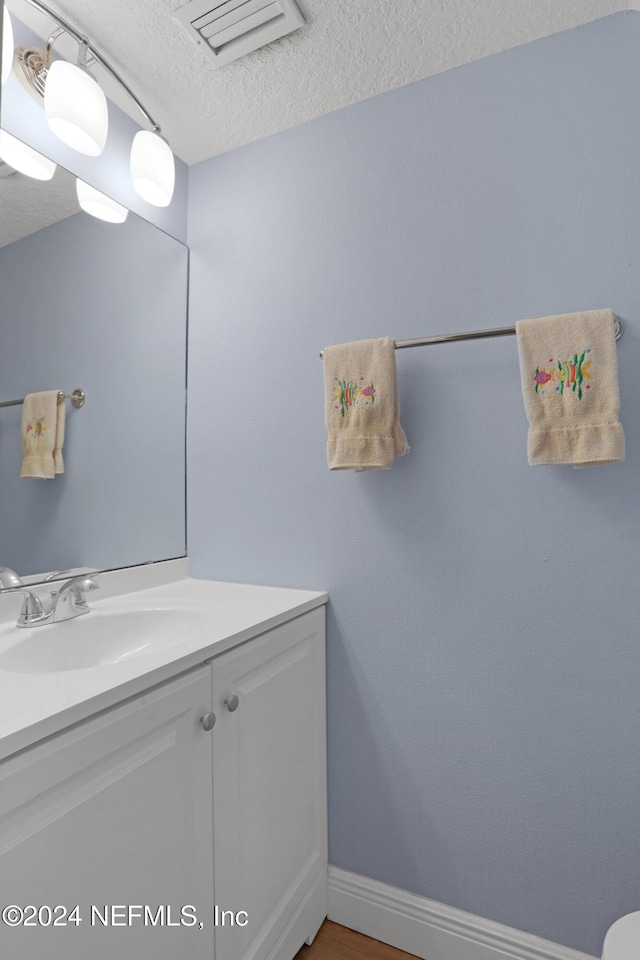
99 205
7 45
153 171
25 159
76 109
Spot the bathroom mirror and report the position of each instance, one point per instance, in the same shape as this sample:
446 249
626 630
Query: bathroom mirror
102 307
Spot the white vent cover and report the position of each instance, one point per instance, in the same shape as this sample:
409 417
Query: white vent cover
228 29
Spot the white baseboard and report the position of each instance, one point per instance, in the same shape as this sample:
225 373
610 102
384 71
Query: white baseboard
428 929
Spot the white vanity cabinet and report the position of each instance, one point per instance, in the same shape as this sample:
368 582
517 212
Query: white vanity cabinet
141 805
269 790
115 811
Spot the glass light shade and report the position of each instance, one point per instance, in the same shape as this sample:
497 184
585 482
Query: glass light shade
99 205
76 108
7 45
153 169
25 159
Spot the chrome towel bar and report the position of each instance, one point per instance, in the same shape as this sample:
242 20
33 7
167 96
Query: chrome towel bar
479 335
77 398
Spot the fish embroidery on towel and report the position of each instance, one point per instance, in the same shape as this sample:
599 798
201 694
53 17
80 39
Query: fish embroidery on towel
347 395
36 429
568 375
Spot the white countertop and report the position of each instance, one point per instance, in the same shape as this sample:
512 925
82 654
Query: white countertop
36 705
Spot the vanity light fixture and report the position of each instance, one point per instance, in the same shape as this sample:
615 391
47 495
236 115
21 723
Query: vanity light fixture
7 45
76 109
153 171
25 159
99 204
75 106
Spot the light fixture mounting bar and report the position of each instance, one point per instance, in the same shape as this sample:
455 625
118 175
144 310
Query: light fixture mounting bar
83 41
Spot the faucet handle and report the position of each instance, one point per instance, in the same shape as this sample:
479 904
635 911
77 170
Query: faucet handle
32 610
55 575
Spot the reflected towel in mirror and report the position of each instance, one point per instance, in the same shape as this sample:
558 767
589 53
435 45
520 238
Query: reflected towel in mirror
42 429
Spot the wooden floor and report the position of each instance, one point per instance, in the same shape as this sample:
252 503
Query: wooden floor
334 942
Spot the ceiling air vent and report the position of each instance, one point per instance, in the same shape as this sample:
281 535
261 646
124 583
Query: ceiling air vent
228 29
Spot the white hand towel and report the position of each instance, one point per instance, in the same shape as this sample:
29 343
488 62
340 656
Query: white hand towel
61 411
569 370
362 409
43 418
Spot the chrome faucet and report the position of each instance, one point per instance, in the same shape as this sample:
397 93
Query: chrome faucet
9 579
70 601
66 603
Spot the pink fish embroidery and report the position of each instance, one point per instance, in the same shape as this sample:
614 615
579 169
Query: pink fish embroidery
569 375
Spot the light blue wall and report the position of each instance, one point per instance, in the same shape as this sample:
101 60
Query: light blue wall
99 306
483 645
24 118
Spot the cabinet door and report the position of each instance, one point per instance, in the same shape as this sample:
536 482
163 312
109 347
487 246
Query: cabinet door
112 813
269 784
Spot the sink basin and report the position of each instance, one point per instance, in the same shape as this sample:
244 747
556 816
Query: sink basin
97 639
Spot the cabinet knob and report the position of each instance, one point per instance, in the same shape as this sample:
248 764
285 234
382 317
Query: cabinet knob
208 721
232 703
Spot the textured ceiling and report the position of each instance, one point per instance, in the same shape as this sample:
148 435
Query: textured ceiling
346 52
28 205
